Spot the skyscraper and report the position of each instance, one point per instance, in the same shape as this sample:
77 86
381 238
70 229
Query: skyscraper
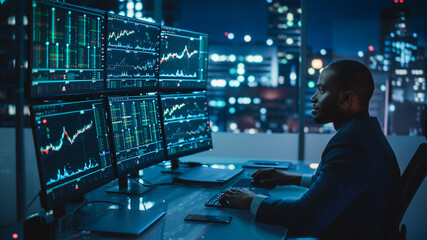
404 60
284 31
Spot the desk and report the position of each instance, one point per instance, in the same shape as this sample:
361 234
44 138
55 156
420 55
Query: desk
178 201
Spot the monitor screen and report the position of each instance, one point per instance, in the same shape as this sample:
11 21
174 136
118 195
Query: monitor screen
73 150
67 54
136 132
183 59
186 124
132 54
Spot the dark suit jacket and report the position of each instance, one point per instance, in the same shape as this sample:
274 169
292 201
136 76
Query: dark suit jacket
351 191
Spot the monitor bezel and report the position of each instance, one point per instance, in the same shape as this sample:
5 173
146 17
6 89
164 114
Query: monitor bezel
113 149
43 193
129 91
176 156
37 99
183 89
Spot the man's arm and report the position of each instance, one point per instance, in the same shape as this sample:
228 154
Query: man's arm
306 180
271 177
265 178
257 200
341 179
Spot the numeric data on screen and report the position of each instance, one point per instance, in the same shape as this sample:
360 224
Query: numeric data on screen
67 50
136 131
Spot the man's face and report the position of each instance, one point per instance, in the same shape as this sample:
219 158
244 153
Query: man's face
326 99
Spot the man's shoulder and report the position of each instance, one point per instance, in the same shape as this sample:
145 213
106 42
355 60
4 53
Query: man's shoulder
363 128
357 135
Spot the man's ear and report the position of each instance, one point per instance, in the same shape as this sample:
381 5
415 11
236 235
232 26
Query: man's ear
347 97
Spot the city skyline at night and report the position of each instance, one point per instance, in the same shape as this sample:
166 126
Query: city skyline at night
346 28
264 116
261 39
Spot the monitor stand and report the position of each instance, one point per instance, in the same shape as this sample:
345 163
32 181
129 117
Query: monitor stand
174 169
128 186
197 173
61 210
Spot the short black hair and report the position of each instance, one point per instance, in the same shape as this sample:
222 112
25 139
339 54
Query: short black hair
354 76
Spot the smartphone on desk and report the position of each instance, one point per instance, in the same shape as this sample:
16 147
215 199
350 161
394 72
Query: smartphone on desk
208 218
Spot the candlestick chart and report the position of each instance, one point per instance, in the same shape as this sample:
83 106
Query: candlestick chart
132 34
179 57
186 123
183 59
187 131
65 136
131 69
132 54
186 109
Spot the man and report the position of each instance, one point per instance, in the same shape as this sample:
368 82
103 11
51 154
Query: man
351 193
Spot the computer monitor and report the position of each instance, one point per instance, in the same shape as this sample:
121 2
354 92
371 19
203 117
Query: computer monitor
183 59
132 54
186 124
67 53
187 131
72 148
137 137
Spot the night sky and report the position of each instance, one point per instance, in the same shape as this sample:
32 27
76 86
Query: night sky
345 26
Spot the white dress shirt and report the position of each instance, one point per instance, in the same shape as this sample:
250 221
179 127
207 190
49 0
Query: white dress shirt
256 201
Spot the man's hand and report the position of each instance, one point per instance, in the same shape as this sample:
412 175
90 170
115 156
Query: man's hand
270 177
240 198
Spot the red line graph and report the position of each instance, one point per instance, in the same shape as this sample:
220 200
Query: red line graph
165 58
58 147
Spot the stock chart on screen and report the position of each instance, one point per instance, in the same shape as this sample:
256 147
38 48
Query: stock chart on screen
73 147
67 50
183 59
132 54
186 123
136 131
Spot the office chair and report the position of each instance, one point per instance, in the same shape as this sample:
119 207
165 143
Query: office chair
410 181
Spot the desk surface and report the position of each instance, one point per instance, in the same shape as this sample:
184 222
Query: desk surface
178 201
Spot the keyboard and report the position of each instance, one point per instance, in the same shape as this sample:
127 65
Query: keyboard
214 201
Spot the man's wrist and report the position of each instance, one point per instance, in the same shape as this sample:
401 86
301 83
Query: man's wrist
292 179
305 180
256 202
296 180
248 201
